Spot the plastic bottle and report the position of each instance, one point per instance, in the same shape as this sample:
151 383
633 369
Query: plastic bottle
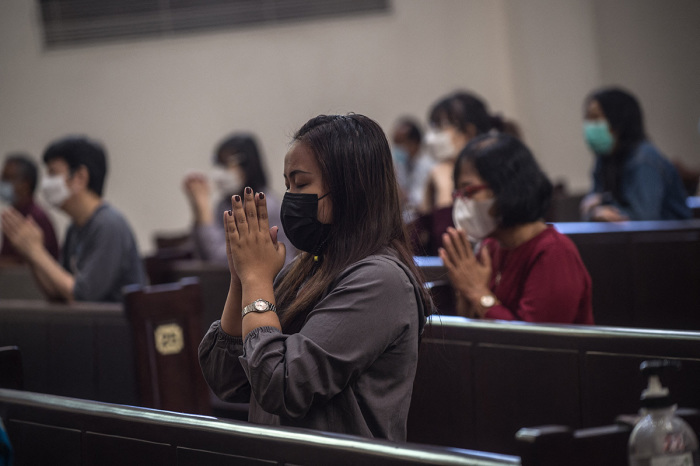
660 438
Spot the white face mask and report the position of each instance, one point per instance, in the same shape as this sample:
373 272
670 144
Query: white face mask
55 190
473 217
439 144
227 181
7 192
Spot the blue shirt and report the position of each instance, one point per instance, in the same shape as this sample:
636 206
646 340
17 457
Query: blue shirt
651 186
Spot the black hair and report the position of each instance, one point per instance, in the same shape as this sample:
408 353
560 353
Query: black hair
413 128
462 108
79 151
27 168
624 115
245 148
356 166
522 190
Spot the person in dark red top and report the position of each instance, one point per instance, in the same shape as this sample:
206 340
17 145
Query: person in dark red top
522 268
17 186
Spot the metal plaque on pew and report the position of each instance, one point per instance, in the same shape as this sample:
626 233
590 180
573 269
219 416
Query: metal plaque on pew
169 339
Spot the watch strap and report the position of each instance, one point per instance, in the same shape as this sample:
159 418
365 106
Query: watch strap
259 305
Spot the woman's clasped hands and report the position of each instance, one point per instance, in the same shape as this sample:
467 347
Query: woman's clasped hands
469 273
251 245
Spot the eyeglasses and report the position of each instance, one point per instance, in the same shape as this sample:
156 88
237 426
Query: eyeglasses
468 191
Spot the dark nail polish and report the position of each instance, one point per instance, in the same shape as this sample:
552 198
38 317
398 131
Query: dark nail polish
230 213
248 190
262 196
237 198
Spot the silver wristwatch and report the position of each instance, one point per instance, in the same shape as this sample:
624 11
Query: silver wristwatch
487 301
259 305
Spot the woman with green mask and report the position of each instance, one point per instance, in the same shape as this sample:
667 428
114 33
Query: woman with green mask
632 180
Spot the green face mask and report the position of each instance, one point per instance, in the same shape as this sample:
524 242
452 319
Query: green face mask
598 136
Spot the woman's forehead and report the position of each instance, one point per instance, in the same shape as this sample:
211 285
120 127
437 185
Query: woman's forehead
300 158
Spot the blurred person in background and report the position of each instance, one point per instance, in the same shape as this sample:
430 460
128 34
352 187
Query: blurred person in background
17 186
632 180
99 254
454 120
238 163
413 165
520 268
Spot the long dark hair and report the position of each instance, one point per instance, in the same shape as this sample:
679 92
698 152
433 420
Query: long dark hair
522 190
356 166
245 147
624 115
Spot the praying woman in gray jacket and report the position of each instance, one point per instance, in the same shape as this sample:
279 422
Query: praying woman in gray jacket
331 341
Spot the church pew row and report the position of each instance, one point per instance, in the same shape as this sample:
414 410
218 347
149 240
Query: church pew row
82 350
46 429
644 274
478 382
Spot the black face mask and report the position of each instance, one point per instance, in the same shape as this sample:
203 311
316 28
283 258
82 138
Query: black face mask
299 214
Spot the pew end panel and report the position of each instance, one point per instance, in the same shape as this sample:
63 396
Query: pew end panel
166 325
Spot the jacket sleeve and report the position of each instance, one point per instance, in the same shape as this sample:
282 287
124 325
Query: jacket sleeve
370 306
218 358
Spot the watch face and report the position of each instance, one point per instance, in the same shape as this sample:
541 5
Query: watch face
260 305
488 301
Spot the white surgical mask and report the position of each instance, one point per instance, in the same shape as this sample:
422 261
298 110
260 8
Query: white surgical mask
227 181
473 217
440 146
55 190
7 193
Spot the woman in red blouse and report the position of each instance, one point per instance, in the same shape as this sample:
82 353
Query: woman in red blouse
520 268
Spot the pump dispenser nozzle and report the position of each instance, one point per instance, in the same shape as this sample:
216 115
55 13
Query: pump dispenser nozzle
656 395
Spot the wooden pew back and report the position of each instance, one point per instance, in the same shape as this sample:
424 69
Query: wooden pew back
54 430
478 382
83 350
645 274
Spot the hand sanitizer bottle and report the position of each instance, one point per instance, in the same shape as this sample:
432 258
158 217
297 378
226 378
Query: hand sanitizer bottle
660 438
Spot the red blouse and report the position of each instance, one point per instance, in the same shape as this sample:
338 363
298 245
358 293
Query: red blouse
542 280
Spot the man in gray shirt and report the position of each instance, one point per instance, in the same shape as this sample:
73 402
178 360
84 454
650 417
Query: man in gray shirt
99 255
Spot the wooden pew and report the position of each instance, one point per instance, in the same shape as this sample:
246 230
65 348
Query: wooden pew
55 430
645 274
83 350
478 382
86 350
